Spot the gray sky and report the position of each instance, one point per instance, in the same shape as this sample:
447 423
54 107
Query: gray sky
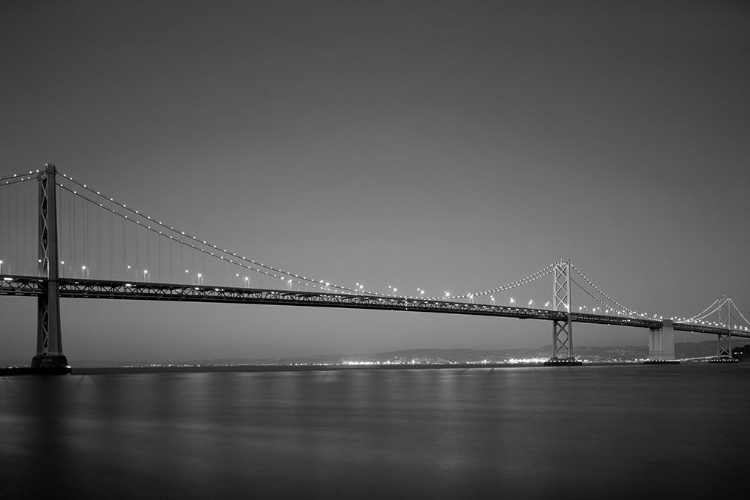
440 145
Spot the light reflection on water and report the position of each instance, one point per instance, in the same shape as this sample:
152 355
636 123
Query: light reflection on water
581 432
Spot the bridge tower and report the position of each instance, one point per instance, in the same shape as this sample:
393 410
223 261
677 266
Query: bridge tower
49 353
562 332
724 340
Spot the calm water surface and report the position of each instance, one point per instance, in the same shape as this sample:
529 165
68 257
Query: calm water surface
586 432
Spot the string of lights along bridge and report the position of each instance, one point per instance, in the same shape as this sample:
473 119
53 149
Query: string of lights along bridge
60 237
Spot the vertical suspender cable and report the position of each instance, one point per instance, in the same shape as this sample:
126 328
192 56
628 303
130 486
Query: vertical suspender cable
69 229
111 245
18 253
75 238
99 243
22 255
23 261
3 224
85 236
22 237
124 250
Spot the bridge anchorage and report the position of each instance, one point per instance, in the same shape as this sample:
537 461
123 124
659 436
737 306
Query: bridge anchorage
165 264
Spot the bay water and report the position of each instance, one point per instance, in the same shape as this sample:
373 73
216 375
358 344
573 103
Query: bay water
678 431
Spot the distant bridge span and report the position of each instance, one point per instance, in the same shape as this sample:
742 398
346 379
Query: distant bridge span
170 292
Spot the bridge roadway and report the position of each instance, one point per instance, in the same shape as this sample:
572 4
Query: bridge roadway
98 289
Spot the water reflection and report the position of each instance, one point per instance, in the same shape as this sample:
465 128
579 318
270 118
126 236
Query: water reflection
361 433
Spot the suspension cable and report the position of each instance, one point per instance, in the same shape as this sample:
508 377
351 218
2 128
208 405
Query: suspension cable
703 311
631 311
718 306
738 311
250 264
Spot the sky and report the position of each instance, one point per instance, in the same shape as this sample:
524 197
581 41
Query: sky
434 145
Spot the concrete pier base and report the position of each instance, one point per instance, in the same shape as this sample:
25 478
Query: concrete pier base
54 362
562 362
661 344
718 359
25 370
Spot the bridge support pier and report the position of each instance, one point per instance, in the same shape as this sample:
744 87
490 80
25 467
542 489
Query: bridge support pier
49 357
661 344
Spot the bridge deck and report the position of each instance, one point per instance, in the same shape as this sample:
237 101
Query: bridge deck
97 289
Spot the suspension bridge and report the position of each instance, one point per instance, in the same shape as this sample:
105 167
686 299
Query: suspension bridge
60 238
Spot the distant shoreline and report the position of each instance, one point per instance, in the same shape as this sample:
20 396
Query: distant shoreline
300 368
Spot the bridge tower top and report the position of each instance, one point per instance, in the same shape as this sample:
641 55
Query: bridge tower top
48 251
561 291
